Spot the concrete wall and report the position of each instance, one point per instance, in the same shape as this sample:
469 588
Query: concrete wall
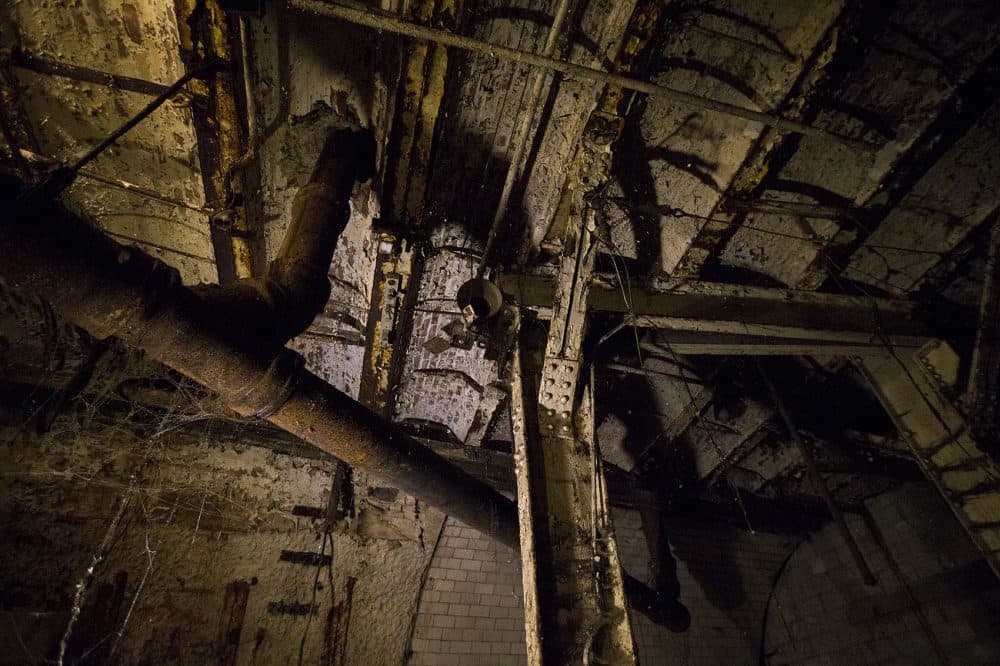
203 551
823 614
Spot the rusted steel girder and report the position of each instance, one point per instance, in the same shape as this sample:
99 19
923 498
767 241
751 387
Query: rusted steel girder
204 32
915 390
112 290
984 380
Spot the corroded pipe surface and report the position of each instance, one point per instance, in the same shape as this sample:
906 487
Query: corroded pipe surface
264 313
111 290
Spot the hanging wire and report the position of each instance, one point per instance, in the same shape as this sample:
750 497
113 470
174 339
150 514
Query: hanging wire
631 317
672 211
819 244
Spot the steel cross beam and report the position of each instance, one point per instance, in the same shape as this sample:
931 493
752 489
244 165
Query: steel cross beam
730 319
915 376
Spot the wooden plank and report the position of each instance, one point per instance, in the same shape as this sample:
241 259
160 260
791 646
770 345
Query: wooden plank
234 608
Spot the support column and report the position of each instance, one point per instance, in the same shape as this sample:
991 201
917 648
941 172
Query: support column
984 380
580 599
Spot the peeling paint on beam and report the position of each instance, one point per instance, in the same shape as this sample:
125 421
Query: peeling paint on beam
390 23
42 65
958 115
884 87
418 103
220 134
958 193
723 219
913 390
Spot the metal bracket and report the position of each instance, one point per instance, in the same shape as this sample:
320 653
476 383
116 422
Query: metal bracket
555 400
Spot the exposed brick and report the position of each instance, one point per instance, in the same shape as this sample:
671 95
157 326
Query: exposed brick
466 622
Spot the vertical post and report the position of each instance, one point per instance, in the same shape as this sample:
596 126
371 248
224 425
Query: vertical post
984 379
581 597
525 511
204 33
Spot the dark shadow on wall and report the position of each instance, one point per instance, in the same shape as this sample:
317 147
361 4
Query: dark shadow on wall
632 170
667 470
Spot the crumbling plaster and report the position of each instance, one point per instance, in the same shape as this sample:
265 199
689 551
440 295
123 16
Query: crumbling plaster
137 39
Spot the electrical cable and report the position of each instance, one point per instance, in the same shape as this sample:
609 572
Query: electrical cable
630 315
761 655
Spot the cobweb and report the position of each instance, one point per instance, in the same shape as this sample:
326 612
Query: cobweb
58 387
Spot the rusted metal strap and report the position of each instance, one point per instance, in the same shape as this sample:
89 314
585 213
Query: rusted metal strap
263 399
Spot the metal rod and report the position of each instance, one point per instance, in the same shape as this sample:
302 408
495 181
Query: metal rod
520 138
169 92
117 183
620 367
42 65
915 605
390 23
817 480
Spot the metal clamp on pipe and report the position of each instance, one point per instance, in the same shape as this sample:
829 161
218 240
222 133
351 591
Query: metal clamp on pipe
263 399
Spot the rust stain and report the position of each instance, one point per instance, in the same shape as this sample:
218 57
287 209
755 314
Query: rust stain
234 607
421 91
338 623
130 21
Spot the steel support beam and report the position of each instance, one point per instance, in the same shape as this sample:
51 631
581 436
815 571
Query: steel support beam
578 605
984 380
730 319
577 611
204 32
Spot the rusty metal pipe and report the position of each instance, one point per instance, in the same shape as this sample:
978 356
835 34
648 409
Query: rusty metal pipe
111 290
264 313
